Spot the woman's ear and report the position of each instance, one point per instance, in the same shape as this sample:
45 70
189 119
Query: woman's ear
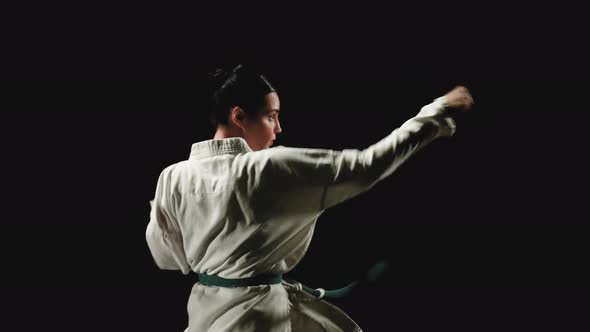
238 117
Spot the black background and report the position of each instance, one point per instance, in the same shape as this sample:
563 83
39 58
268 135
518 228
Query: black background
486 230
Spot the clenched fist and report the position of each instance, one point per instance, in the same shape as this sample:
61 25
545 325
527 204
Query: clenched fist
459 98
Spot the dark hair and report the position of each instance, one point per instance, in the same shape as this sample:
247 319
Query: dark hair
243 87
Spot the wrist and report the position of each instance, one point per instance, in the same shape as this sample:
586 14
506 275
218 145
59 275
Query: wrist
437 107
442 102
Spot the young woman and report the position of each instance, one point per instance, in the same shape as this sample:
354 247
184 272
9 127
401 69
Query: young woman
240 214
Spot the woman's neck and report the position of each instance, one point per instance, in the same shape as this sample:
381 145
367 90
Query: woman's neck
225 132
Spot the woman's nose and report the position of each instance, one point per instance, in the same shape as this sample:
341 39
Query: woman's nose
278 128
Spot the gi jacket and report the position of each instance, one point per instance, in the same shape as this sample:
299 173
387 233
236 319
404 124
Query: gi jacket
235 213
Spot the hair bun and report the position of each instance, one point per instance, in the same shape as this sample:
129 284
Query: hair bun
218 76
238 68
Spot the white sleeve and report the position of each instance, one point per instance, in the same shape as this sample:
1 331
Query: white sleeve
163 233
356 171
315 179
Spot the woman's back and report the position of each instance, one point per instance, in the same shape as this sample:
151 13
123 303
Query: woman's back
226 206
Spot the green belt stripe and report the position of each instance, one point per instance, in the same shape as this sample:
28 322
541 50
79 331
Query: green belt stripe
263 279
375 273
269 279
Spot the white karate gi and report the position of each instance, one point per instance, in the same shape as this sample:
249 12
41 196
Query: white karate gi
235 213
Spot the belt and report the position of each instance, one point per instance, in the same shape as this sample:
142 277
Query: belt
271 279
263 279
375 272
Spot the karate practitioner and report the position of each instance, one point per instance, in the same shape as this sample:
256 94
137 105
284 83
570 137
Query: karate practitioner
241 214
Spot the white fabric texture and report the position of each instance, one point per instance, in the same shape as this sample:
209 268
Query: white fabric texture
235 213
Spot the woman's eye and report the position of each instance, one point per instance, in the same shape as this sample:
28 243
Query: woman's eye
271 117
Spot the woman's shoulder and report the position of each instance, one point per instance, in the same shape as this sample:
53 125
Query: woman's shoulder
294 152
293 157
